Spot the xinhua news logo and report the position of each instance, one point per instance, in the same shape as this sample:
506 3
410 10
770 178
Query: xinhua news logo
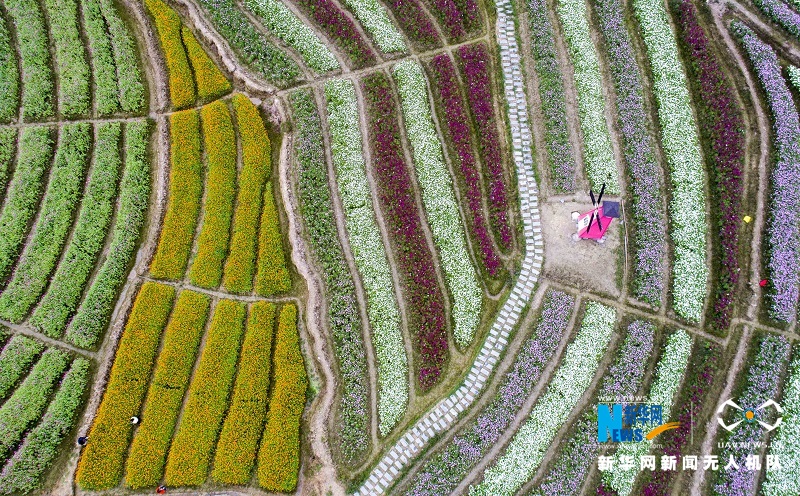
750 415
630 423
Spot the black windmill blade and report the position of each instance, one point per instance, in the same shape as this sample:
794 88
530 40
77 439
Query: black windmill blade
591 221
591 194
602 190
597 216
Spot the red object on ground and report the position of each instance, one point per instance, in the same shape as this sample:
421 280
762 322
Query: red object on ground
161 490
763 282
586 231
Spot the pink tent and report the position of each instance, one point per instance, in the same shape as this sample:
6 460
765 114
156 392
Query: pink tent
593 231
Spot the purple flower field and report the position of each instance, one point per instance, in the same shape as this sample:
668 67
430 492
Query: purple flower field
336 25
783 229
762 383
724 127
645 177
442 473
622 381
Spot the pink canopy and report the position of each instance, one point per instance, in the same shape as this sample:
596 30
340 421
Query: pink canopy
585 231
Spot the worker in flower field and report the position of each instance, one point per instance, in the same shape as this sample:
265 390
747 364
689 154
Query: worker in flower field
134 420
162 489
82 440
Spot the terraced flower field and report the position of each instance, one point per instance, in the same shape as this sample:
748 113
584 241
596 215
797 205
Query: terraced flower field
333 247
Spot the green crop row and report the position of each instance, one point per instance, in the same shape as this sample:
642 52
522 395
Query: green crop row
168 24
9 76
73 70
279 455
24 471
254 49
63 295
25 406
104 71
210 81
185 192
238 442
24 192
37 77
191 450
95 311
100 466
164 398
219 141
41 254
272 275
343 316
15 359
240 266
131 88
8 145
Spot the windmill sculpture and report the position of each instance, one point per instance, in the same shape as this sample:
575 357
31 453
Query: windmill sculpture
594 223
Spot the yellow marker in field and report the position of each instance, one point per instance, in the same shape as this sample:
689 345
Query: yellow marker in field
747 218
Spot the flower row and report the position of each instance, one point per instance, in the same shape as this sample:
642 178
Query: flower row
785 442
368 252
525 452
94 313
101 56
173 368
439 201
94 217
185 194
9 77
699 377
722 123
210 81
15 360
255 50
474 61
622 381
131 91
101 462
238 442
27 404
644 176
372 15
415 23
279 453
256 167
552 98
50 231
219 142
24 192
207 399
330 18
8 150
70 58
284 24
459 134
191 71
24 471
681 146
316 207
763 381
272 274
783 233
599 162
781 14
414 259
446 469
168 26
668 377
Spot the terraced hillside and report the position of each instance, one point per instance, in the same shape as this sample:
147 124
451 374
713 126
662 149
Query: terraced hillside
329 246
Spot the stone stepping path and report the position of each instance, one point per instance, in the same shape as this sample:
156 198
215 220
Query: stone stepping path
444 415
